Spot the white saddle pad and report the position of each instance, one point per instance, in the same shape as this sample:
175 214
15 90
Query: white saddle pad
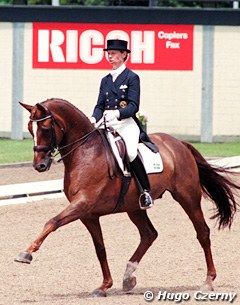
152 161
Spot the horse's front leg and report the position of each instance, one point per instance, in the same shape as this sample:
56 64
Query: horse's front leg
68 215
148 234
95 230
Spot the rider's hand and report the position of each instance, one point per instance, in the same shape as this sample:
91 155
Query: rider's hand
111 115
92 120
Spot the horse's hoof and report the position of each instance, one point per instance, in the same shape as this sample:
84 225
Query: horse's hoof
206 287
99 293
24 257
208 284
129 283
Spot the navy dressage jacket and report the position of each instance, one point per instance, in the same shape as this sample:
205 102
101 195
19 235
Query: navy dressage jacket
123 95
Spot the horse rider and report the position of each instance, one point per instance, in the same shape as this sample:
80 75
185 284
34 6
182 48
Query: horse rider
118 101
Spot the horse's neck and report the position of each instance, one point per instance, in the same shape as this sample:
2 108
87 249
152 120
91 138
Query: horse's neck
76 124
81 154
77 128
75 132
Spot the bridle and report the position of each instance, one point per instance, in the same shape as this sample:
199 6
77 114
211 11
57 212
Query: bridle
53 144
50 149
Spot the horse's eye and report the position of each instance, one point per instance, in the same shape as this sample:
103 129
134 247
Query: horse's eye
45 129
46 125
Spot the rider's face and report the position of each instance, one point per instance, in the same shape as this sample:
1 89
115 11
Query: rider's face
116 58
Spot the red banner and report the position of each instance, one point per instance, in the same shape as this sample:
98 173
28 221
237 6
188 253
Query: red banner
80 45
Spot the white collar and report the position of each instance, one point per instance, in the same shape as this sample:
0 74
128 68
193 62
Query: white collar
117 72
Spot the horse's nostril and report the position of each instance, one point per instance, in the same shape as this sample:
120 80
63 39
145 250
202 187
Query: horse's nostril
41 167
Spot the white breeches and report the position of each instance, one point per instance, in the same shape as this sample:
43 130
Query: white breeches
129 131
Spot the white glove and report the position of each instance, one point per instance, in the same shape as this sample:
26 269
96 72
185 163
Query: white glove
92 120
111 115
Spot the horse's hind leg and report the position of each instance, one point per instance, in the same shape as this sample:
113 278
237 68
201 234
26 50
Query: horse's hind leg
190 202
148 234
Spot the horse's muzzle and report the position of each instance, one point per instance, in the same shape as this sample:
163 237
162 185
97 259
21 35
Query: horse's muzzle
43 165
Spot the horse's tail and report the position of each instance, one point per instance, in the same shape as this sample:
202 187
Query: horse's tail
217 187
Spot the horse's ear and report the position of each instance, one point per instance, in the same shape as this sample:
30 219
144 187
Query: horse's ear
28 107
41 107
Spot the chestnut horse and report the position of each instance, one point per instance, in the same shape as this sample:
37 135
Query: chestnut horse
55 123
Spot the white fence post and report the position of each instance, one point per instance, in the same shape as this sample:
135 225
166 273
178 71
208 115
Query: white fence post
207 85
17 80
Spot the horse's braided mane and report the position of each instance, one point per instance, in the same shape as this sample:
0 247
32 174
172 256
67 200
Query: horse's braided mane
67 103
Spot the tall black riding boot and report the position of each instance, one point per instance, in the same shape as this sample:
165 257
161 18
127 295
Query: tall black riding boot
145 199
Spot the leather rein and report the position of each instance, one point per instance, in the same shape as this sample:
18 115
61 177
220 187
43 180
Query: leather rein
50 149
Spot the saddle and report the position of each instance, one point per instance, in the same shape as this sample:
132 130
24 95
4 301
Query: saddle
147 151
116 154
118 148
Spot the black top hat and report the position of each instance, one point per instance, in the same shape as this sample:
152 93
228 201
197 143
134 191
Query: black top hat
117 44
